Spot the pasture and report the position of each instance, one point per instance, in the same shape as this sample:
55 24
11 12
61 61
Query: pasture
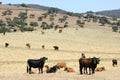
71 42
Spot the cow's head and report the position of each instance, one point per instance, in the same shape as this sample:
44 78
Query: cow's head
44 59
95 60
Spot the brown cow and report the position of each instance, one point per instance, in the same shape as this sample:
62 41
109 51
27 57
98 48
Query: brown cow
90 63
28 45
69 69
99 69
45 68
61 64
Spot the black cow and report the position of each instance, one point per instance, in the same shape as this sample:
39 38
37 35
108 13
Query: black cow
114 62
56 47
39 63
6 45
90 63
52 69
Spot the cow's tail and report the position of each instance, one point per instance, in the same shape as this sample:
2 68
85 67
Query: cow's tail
27 68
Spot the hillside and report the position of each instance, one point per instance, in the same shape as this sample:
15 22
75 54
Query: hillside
26 18
111 13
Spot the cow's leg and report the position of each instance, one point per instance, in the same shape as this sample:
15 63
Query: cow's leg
29 70
81 70
39 70
93 69
89 71
86 70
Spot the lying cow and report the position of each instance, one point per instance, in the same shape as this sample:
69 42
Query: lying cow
69 69
61 64
39 63
52 69
90 63
99 69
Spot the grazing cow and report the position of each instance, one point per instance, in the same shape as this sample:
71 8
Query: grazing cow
56 47
61 64
114 62
99 69
28 45
43 46
6 45
91 63
39 63
68 69
52 69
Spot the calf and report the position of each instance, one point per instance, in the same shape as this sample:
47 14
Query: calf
68 69
99 69
61 64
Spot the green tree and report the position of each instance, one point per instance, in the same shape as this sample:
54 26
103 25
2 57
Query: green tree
23 5
115 28
44 25
80 23
40 18
53 11
51 18
33 24
23 16
32 15
1 23
0 2
7 12
103 21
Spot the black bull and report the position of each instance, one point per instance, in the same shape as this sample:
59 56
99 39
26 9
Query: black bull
91 63
39 63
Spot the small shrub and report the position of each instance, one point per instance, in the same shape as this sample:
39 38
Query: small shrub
28 29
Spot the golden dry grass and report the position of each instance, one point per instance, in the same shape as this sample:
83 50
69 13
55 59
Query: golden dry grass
72 43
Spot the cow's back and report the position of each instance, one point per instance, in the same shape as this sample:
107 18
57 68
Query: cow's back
84 61
33 63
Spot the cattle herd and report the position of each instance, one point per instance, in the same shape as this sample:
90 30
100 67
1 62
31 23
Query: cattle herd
84 63
28 45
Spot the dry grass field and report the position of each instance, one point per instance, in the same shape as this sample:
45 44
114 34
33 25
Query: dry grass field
72 42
